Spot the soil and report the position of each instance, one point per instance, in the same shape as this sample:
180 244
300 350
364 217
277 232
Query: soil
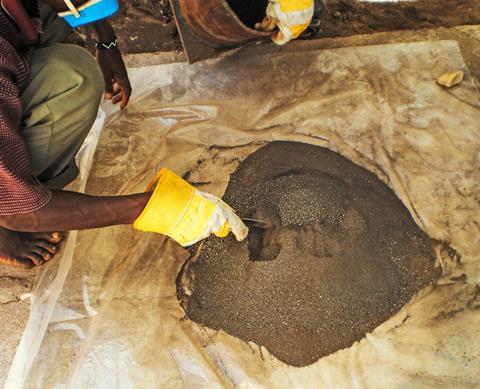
141 26
350 17
148 26
342 255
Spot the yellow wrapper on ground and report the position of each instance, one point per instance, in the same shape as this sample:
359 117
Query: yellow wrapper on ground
186 214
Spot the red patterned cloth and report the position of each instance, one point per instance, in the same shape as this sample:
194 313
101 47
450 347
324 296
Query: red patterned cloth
20 192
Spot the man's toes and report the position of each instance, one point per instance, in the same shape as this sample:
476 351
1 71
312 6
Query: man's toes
56 237
52 237
23 263
51 248
44 254
35 258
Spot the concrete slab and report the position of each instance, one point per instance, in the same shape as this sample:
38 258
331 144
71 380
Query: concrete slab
468 38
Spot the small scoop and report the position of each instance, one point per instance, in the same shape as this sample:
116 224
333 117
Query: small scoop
262 244
256 222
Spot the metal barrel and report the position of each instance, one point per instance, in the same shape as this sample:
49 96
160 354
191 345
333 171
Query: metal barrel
215 23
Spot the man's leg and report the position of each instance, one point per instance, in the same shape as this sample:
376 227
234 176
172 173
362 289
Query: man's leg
60 104
55 29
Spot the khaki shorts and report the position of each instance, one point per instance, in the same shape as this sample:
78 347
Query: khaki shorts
60 103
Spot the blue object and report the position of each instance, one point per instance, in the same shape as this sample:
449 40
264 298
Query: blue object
92 13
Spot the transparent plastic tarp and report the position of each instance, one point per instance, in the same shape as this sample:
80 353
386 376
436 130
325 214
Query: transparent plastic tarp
106 314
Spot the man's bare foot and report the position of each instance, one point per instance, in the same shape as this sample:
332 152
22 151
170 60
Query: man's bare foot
27 249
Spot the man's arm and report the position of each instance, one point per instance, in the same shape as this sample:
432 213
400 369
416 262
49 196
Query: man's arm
30 204
75 211
117 84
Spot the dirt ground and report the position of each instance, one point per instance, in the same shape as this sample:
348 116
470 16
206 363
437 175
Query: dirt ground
349 17
148 25
14 283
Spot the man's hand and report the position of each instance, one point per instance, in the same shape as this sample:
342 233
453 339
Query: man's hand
117 84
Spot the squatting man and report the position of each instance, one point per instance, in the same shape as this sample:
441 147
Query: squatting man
49 96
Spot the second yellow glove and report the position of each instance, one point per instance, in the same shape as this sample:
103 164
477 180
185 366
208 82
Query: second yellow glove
291 17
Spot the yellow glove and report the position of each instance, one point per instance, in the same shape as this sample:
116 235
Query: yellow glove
186 214
291 17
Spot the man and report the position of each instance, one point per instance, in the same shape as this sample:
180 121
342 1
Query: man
49 96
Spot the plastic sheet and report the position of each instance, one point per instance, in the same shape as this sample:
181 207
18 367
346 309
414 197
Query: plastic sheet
106 314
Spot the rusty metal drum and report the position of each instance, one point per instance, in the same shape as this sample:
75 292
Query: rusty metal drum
216 24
